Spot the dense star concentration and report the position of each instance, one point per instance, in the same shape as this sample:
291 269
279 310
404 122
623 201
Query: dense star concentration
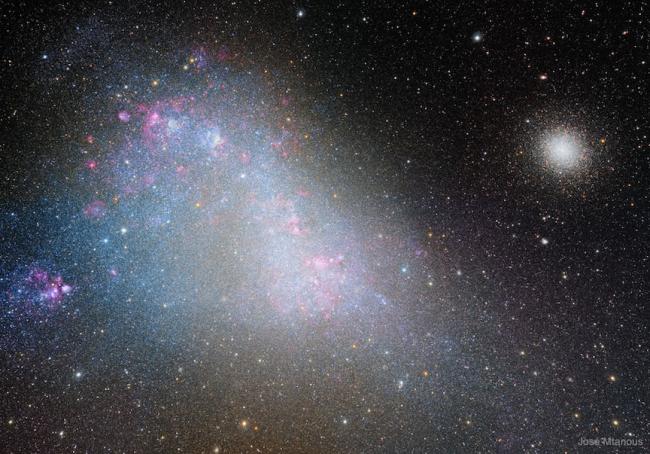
233 227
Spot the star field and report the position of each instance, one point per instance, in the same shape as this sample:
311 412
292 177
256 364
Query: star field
232 227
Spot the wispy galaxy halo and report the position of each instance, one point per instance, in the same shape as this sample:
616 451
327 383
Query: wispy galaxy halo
207 186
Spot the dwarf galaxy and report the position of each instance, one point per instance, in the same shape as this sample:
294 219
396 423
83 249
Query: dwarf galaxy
323 227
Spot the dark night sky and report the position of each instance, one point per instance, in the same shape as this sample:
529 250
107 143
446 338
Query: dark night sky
324 226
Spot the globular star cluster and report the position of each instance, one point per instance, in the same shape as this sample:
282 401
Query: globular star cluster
312 227
563 150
